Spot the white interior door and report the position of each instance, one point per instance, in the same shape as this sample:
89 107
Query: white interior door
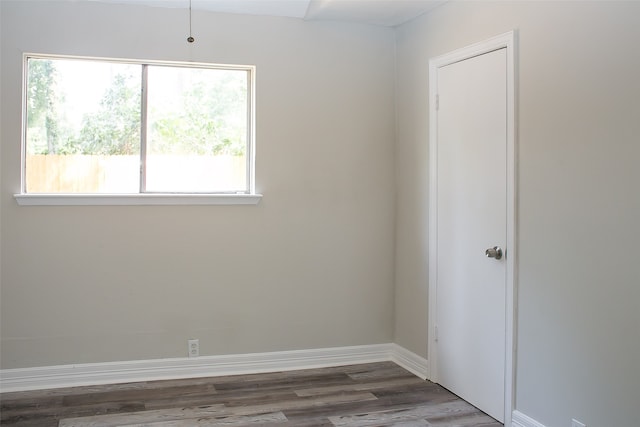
471 216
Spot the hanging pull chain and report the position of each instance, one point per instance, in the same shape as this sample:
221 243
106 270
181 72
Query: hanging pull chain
190 39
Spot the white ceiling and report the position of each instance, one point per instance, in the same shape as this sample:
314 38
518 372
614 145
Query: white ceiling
378 12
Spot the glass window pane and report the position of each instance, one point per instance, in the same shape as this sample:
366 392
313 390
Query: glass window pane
83 127
196 130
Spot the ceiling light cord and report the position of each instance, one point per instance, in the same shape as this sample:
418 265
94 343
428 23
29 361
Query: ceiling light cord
190 39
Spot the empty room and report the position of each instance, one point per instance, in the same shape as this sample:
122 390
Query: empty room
319 213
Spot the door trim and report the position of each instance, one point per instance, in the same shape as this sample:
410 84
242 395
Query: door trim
507 41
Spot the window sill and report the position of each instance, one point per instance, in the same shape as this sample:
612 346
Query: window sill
135 199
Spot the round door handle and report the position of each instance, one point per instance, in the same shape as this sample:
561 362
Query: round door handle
494 252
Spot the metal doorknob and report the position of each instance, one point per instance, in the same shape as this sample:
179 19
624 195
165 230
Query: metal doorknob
494 252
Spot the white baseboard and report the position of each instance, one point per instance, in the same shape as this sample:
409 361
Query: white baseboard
521 420
45 377
410 361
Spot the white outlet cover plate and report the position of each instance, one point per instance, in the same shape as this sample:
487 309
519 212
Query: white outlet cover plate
194 348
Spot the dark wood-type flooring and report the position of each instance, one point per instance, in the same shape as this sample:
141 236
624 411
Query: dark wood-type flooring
376 394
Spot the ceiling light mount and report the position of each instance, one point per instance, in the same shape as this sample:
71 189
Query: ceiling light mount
190 39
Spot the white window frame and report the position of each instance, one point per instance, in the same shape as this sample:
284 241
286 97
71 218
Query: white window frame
143 198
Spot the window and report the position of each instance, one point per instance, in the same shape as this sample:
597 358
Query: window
110 127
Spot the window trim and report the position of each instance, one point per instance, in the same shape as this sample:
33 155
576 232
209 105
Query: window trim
143 198
134 199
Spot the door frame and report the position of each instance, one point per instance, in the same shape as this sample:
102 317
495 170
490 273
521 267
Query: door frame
507 41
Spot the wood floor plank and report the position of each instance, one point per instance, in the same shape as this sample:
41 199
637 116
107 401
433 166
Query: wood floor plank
304 404
351 408
317 422
50 422
477 419
262 420
132 418
285 382
452 409
228 399
377 373
393 399
13 415
319 391
270 419
140 394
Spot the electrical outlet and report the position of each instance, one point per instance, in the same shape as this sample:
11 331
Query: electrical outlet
576 423
194 348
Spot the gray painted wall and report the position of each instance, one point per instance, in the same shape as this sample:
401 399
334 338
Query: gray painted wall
579 200
311 266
